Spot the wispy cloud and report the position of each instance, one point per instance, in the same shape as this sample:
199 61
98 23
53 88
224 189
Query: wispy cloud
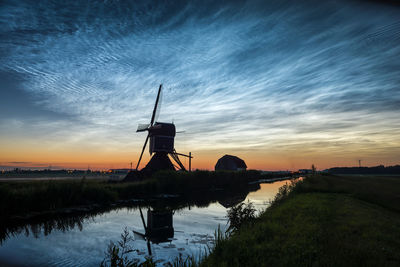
250 76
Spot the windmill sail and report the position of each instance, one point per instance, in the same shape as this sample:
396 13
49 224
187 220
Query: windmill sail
142 127
153 116
158 107
141 154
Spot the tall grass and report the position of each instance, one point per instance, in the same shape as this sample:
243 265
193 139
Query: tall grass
49 195
286 190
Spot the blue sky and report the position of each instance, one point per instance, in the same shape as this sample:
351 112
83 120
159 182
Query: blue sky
270 81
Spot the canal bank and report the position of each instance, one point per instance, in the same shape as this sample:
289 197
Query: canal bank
324 221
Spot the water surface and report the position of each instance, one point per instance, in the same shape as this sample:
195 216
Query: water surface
83 241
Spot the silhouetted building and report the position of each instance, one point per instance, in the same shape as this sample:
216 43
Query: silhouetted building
230 163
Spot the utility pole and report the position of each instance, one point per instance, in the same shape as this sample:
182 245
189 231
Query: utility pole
131 166
359 163
190 161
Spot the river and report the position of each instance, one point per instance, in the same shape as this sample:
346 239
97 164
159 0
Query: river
82 240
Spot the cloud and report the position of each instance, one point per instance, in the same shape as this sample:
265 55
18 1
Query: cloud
251 75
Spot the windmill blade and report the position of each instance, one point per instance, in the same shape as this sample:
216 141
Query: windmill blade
141 154
142 127
155 106
138 235
144 224
159 106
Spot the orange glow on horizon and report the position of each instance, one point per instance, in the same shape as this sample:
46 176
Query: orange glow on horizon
30 153
202 160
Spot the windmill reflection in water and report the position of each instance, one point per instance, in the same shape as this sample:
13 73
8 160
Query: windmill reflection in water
159 228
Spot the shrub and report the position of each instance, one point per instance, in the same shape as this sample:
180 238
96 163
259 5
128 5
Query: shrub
240 214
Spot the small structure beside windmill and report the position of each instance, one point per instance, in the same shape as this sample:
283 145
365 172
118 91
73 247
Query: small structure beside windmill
230 163
161 147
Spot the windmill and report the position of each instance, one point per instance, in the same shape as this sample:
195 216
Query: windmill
161 137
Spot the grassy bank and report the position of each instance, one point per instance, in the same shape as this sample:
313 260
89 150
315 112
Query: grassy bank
18 198
325 221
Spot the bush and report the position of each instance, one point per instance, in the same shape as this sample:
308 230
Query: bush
240 214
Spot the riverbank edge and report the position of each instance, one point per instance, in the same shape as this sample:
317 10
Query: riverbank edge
293 230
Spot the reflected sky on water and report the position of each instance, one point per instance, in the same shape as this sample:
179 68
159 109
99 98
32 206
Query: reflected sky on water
85 245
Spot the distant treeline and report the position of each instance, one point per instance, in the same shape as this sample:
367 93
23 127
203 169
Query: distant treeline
366 170
51 173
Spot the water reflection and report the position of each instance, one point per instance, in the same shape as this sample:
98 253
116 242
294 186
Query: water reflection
44 224
160 212
159 227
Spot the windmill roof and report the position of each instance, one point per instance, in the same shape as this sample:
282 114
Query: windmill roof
163 128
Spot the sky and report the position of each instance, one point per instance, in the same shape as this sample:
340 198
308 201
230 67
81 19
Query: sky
281 84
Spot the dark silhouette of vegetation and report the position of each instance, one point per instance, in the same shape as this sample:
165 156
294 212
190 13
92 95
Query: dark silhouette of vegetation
284 191
45 224
239 215
20 173
121 254
117 254
381 170
21 197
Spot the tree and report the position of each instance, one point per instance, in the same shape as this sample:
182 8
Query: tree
314 170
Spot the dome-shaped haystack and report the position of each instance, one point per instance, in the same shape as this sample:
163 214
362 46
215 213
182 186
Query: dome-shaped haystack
230 163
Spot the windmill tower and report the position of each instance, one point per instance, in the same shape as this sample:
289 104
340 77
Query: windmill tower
162 136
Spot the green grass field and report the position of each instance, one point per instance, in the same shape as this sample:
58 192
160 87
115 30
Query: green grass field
324 221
